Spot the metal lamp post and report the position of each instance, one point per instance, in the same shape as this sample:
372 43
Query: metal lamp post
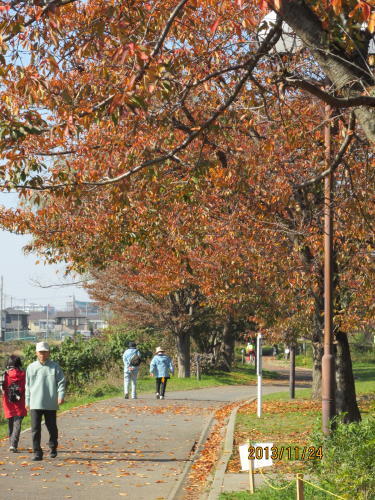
289 43
328 368
259 375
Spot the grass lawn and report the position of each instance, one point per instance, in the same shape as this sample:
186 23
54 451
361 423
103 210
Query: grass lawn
364 376
288 424
267 493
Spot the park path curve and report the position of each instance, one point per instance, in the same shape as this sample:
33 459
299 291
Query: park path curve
135 449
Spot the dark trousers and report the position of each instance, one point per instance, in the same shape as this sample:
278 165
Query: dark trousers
36 429
160 385
14 427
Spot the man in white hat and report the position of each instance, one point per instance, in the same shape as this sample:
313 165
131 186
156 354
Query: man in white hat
45 386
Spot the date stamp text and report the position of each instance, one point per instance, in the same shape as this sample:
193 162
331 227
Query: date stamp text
277 453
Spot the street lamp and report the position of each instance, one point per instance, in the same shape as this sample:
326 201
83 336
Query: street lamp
328 368
289 43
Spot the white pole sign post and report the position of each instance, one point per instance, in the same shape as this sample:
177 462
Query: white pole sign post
259 373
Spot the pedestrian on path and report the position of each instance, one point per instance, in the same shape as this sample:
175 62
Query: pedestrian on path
14 399
250 353
161 367
45 387
132 359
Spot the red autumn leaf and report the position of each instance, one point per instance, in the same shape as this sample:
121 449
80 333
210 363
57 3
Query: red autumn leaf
214 26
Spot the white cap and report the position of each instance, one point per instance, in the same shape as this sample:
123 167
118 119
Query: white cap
42 346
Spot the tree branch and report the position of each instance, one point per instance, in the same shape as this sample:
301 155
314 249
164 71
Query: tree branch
337 160
46 8
336 102
264 48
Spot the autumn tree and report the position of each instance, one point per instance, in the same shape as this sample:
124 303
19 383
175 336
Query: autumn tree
114 88
114 107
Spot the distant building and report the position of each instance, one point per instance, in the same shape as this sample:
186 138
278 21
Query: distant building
71 319
74 321
51 309
84 307
41 321
33 307
15 320
57 324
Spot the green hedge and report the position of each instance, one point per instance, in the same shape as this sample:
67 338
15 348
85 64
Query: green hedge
84 361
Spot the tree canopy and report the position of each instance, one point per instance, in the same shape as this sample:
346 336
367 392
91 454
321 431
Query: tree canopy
135 111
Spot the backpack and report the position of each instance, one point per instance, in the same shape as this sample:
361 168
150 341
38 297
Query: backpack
14 393
135 360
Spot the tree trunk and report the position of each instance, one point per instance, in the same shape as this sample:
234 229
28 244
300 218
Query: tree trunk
183 354
317 348
341 71
228 346
346 401
317 343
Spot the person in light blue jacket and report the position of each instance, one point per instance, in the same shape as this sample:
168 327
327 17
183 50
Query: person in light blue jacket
161 367
131 357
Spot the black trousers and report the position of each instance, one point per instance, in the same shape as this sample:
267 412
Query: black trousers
160 385
14 427
36 429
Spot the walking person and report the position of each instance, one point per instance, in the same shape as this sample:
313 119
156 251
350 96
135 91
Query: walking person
14 399
161 367
250 353
132 359
45 387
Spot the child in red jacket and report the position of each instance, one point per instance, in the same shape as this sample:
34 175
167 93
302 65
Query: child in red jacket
14 399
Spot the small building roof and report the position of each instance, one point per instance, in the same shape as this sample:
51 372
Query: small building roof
69 314
11 310
37 315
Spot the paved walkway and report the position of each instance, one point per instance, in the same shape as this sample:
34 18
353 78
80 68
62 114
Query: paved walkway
137 449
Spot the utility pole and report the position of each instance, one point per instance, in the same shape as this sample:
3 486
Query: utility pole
46 334
75 315
18 325
328 369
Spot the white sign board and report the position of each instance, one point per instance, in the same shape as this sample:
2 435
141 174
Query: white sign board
261 451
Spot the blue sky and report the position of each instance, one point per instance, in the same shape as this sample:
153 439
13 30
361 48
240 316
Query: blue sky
19 271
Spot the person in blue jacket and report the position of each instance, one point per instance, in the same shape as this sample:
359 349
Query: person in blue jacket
161 367
130 357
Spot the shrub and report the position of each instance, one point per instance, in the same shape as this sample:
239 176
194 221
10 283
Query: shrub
86 360
348 465
206 363
81 360
116 343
